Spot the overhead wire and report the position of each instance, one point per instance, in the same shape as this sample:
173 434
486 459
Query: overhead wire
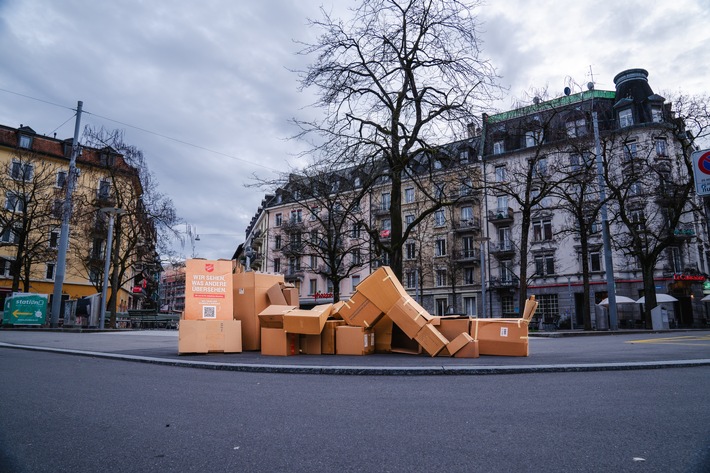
144 130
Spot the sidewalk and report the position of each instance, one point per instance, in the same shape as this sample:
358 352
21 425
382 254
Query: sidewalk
549 352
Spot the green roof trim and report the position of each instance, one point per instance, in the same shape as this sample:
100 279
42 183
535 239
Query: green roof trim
552 104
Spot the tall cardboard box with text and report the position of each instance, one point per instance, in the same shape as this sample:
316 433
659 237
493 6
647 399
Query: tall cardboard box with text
208 290
250 298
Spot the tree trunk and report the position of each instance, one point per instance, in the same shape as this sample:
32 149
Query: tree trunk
395 249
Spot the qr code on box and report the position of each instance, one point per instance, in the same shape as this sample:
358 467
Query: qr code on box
209 312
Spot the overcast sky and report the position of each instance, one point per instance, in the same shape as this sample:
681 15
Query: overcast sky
205 89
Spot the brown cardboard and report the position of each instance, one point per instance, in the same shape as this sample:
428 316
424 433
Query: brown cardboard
335 311
276 296
307 322
192 337
208 290
249 300
311 344
350 340
431 340
360 312
503 337
452 326
328 336
382 288
401 343
408 316
276 342
458 343
383 335
290 293
273 316
470 350
530 308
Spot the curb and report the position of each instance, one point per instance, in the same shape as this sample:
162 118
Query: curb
377 370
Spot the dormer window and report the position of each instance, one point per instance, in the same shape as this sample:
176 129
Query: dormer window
576 128
532 138
626 118
656 114
25 142
463 156
107 158
498 147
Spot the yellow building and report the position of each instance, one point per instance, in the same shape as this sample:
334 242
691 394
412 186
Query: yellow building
34 171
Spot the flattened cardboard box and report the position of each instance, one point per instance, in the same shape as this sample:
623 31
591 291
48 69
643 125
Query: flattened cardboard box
502 337
192 337
408 316
431 340
382 288
360 312
273 316
249 300
463 346
276 342
208 290
351 340
328 336
307 322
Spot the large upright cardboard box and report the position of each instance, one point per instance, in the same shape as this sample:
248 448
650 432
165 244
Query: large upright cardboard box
360 311
328 336
351 340
276 342
192 337
502 337
382 288
249 300
208 290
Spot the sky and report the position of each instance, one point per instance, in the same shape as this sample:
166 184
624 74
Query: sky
207 90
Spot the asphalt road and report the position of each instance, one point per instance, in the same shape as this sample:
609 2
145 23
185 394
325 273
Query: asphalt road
83 414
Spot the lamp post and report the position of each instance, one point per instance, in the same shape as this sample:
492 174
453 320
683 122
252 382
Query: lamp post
112 212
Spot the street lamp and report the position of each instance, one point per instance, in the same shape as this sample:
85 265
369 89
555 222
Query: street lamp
112 212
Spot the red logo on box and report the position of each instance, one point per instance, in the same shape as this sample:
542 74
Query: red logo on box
209 267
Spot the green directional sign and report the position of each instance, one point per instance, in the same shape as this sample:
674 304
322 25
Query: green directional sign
25 309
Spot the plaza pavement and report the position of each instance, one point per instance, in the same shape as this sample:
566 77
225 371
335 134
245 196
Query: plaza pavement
549 352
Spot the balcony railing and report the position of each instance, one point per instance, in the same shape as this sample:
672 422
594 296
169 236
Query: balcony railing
501 247
473 255
508 282
684 231
468 225
501 215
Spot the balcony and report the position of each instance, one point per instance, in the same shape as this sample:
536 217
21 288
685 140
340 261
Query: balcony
502 249
381 210
466 196
508 283
292 225
292 249
468 225
468 256
293 275
684 231
501 216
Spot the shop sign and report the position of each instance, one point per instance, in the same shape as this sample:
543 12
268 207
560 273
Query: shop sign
688 277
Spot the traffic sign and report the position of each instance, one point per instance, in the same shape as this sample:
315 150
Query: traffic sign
701 171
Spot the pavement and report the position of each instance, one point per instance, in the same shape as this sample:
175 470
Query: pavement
549 352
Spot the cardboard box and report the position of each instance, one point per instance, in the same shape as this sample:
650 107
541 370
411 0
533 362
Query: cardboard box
192 337
463 340
350 340
307 322
382 288
208 290
503 337
408 315
311 344
452 326
327 336
360 312
273 316
276 342
250 299
431 340
401 343
383 335
203 336
276 296
335 311
290 293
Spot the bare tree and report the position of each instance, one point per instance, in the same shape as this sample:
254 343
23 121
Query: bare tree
394 80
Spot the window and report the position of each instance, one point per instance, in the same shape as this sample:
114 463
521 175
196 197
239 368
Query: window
466 187
314 262
5 267
410 250
508 305
469 306
411 279
355 281
439 193
385 201
61 179
540 168
441 305
656 114
296 194
506 273
358 182
638 219
542 230
314 237
357 258
533 138
107 158
675 260
104 190
504 238
625 118
312 286
49 272
386 224
440 248
314 214
278 220
498 147
408 220
468 274
500 174
14 202
595 261
635 188
53 238
439 218
502 206
9 235
466 213
97 248
544 265
576 128
440 277
294 265
22 171
296 216
661 147
25 141
409 195
356 229
277 242
548 307
463 156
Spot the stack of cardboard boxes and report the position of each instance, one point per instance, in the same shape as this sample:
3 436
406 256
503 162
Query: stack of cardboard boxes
380 317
